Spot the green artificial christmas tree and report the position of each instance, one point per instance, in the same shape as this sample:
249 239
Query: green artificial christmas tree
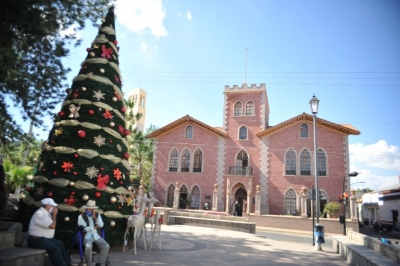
86 154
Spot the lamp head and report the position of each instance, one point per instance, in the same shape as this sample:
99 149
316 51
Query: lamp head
314 102
353 174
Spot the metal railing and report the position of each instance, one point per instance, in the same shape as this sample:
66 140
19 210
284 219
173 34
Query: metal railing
238 170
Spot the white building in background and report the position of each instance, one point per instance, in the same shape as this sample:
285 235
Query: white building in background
138 96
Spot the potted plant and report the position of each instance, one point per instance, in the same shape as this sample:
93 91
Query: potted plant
331 209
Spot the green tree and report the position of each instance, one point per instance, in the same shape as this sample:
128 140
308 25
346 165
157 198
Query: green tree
332 208
33 42
141 156
16 176
86 154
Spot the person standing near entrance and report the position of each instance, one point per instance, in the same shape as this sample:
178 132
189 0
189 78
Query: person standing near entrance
236 206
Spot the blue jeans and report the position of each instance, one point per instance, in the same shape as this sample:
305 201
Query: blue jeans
55 248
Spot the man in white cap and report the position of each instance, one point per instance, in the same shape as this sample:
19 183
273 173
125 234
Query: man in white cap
41 233
91 223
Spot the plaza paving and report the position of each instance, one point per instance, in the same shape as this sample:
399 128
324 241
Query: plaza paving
192 245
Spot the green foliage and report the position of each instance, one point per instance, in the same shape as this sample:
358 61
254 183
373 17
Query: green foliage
141 155
16 175
33 42
332 208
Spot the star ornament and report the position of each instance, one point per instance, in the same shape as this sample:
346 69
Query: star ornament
106 52
67 166
107 115
58 131
117 174
129 201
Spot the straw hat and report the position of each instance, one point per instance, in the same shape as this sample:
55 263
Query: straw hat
91 204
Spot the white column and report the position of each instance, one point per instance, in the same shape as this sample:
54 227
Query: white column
353 207
228 198
215 198
258 200
176 196
303 204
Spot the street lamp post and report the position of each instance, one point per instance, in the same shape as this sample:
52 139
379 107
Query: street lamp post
318 229
345 198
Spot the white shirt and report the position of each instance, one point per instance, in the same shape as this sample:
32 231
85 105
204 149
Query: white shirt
39 224
90 230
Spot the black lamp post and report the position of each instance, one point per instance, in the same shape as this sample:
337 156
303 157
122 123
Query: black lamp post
344 198
318 229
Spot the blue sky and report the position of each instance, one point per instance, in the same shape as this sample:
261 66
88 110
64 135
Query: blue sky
183 53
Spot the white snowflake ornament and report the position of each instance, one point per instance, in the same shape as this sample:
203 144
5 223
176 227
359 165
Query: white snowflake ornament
92 172
99 141
99 95
119 148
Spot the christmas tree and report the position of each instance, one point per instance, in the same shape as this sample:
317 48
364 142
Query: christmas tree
86 154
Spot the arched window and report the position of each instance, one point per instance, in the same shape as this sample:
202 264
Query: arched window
195 204
290 163
189 132
173 161
185 161
170 196
242 163
250 108
304 130
305 163
238 109
243 132
321 163
198 160
290 202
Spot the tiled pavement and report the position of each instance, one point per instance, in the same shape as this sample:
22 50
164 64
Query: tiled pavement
191 245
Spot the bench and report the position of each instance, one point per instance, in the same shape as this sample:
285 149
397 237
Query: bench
213 221
357 254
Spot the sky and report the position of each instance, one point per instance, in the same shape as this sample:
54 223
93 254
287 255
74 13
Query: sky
184 52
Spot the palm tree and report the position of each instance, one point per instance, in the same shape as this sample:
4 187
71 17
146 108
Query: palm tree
16 176
141 154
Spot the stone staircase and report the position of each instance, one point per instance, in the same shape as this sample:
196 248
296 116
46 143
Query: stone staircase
18 256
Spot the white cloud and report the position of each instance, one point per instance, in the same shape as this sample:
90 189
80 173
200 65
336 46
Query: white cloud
142 16
367 179
179 14
378 155
188 16
144 46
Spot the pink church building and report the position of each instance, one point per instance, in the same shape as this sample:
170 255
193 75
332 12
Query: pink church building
247 154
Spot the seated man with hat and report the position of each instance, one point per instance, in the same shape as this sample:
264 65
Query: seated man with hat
91 223
41 233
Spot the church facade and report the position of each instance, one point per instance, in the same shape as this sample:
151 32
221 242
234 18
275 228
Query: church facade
247 155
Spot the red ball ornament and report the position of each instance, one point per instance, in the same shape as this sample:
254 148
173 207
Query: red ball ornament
121 182
87 49
119 207
101 168
110 140
28 189
61 113
54 173
76 155
49 194
126 155
90 112
81 134
73 193
97 194
115 42
75 173
44 170
127 132
123 109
